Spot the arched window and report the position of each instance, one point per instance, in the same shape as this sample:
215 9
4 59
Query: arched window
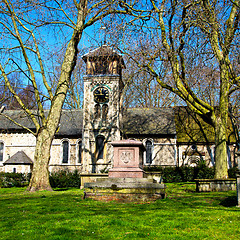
99 147
149 151
79 152
65 151
1 151
97 111
104 111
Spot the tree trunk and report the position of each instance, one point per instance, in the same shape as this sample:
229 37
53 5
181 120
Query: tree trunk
221 120
40 173
221 165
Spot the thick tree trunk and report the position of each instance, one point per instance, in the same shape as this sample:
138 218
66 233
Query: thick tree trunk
221 120
221 164
40 173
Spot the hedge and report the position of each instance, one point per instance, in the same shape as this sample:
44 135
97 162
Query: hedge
186 173
8 180
59 179
66 178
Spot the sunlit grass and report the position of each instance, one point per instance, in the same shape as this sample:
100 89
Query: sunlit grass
184 214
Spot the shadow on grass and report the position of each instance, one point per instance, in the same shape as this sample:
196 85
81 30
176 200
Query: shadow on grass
60 189
230 201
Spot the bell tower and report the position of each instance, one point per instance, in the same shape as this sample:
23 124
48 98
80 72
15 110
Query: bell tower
101 107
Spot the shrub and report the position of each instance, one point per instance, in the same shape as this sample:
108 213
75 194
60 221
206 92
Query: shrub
183 173
232 172
188 174
8 180
65 179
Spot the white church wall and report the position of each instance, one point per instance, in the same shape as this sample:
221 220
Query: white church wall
14 142
164 154
164 151
26 142
56 156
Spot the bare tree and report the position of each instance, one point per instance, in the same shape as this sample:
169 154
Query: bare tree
191 34
26 94
74 98
141 88
29 30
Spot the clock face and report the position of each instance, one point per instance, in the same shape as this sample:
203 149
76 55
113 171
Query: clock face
101 95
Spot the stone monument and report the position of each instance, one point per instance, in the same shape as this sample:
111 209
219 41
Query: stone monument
128 159
126 182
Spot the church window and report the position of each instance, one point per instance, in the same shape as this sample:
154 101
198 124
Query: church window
1 151
65 151
104 111
97 111
149 151
101 111
79 151
99 147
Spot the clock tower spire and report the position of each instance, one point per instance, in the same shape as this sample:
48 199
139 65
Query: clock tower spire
101 107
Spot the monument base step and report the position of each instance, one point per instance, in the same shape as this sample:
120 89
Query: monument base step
124 197
125 190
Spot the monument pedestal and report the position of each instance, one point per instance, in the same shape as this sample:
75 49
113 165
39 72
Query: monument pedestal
126 182
128 160
129 173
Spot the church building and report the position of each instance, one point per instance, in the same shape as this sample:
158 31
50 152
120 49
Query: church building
83 140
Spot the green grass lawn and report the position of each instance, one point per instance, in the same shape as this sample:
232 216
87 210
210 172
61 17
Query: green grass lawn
184 214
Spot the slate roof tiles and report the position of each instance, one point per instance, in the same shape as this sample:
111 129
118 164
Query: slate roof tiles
135 121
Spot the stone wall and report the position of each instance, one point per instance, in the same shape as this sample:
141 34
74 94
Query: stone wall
190 154
18 168
165 153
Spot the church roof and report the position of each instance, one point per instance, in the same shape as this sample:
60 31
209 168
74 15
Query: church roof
149 121
17 115
19 158
144 121
103 51
70 122
179 121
